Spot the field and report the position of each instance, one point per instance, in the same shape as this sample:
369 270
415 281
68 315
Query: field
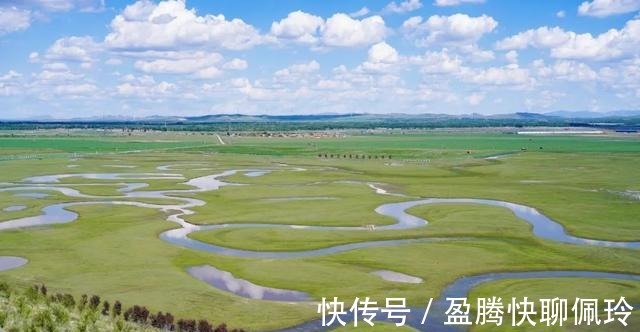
589 185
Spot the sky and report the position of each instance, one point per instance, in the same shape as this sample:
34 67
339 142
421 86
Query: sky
96 58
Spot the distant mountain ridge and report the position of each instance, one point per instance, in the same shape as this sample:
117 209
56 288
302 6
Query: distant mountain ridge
343 117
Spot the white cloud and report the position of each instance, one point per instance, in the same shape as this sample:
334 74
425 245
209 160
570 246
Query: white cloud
382 53
236 64
75 89
55 66
603 8
364 11
80 49
458 28
333 85
144 86
511 56
445 3
403 7
342 30
182 63
565 70
57 76
510 75
9 83
298 69
63 5
168 25
298 26
437 62
9 76
570 45
545 100
339 30
381 58
14 19
561 14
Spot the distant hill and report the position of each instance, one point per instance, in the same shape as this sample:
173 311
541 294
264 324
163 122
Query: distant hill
352 117
593 115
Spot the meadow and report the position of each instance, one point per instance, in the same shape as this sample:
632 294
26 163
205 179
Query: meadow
589 184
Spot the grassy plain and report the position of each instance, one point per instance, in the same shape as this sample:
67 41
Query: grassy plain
582 182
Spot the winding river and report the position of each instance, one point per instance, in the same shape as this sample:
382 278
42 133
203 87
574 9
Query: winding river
542 227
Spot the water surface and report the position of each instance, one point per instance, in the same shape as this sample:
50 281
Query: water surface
225 281
11 262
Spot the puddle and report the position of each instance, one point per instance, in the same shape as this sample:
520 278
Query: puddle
11 262
397 277
227 282
14 208
254 174
32 195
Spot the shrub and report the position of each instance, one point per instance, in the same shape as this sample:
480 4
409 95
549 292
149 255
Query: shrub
117 309
94 302
105 308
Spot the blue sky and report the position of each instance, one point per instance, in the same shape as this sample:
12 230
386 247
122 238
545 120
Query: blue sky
80 58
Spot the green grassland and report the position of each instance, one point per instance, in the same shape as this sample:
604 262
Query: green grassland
114 251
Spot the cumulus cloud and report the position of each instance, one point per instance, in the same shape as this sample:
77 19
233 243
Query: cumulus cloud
342 30
604 8
169 25
298 26
14 19
145 87
381 57
565 70
457 28
339 30
570 45
403 7
383 53
446 3
80 49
